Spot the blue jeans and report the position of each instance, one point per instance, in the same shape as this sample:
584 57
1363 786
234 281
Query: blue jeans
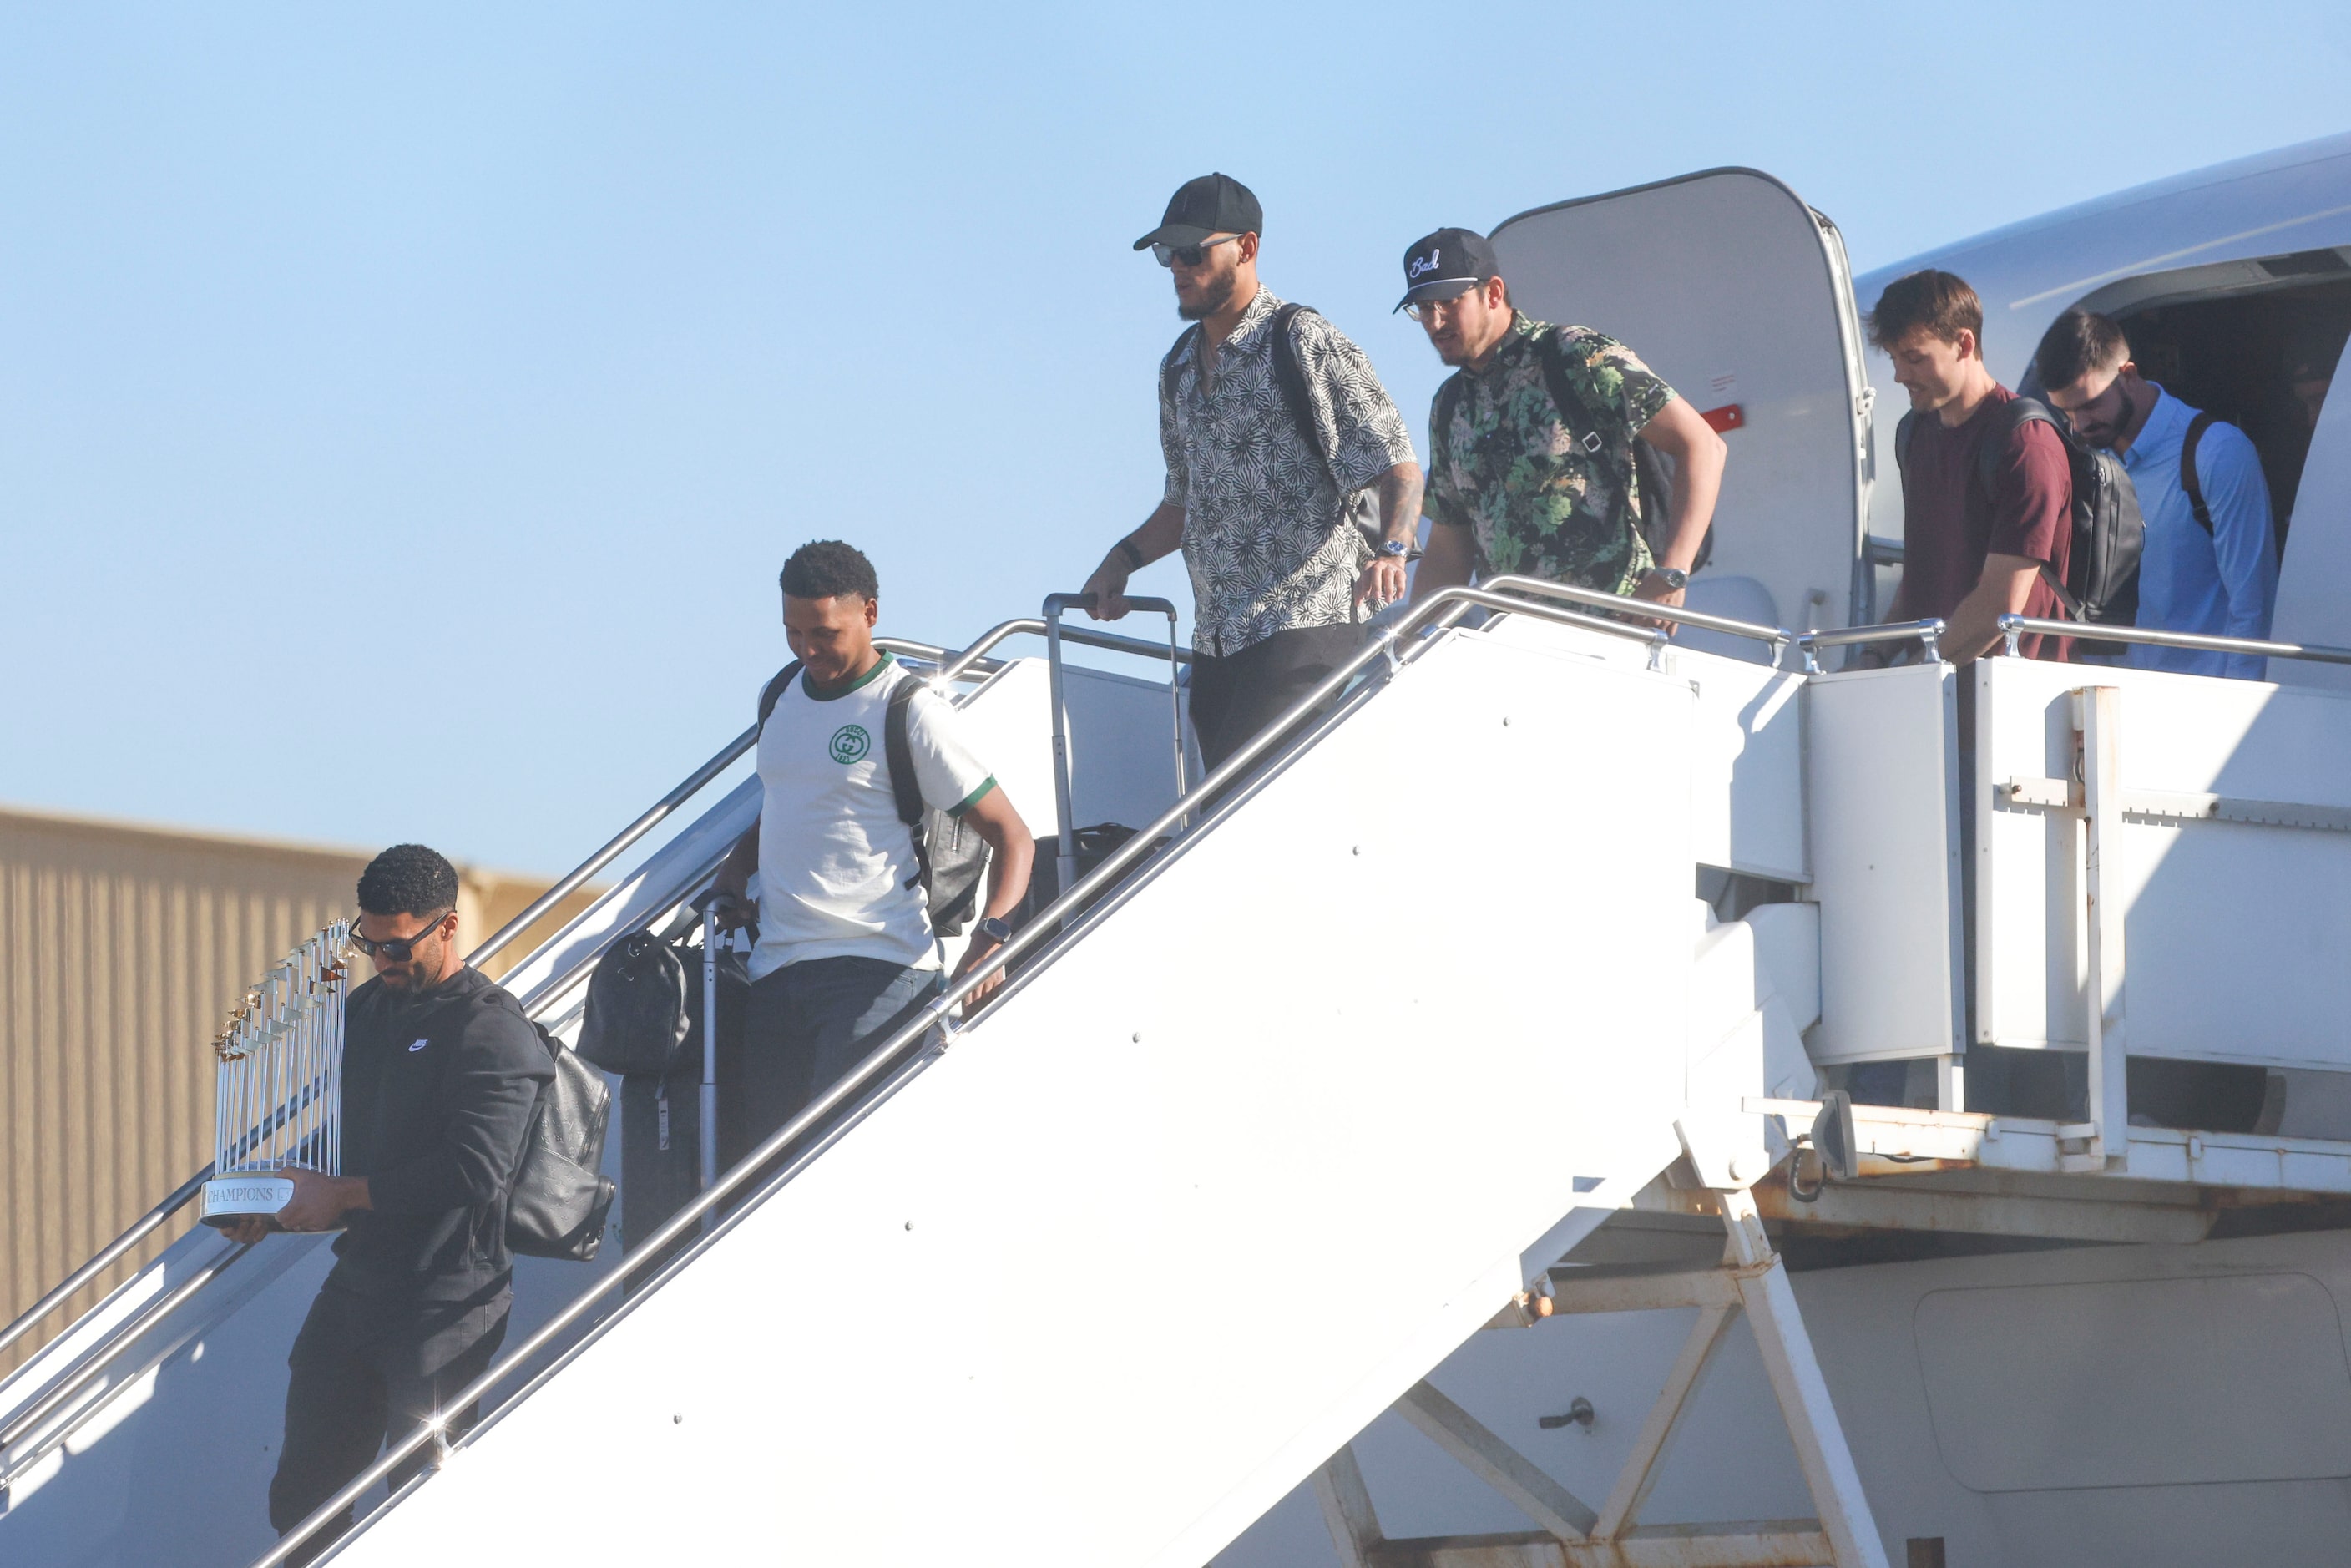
803 1027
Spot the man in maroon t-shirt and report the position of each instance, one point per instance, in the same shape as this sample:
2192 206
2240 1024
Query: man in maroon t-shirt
1972 551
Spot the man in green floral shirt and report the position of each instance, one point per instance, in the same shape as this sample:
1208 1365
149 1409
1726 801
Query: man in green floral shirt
1534 467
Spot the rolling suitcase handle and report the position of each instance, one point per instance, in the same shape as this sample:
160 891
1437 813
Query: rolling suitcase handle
1066 851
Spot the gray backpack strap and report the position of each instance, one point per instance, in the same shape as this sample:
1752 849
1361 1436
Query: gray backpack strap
2015 415
898 753
2188 479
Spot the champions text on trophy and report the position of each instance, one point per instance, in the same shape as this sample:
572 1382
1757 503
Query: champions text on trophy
278 1099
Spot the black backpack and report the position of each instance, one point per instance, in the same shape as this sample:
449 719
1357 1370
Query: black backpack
2101 586
950 853
1290 377
1637 467
561 1197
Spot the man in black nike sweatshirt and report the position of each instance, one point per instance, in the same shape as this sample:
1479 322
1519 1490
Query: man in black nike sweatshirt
441 1074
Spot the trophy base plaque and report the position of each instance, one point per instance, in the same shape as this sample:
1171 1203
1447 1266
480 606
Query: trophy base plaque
231 1198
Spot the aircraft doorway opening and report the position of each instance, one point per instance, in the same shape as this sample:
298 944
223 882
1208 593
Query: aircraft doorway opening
2254 343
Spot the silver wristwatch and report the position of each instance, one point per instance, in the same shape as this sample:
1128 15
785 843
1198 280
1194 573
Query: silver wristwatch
996 928
1676 578
1395 548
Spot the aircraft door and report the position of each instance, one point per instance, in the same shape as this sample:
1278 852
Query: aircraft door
1730 288
2314 596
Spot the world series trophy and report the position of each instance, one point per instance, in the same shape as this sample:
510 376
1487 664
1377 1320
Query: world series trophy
278 1098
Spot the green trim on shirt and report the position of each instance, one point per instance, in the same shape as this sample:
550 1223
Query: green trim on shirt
809 687
974 799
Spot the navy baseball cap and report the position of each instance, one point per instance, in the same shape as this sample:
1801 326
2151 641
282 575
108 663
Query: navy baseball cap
1446 266
1211 204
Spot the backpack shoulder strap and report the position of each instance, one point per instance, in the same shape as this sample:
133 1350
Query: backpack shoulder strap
1572 409
898 753
1440 417
774 689
1290 373
1289 376
2019 412
1167 365
2188 479
2015 415
1449 401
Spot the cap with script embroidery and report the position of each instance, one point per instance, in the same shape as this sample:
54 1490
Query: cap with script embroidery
1446 266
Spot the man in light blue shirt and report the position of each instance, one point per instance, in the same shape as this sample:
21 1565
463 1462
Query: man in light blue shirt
2211 568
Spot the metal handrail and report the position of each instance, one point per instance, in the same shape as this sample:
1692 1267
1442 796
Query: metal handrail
1928 632
1439 609
148 1222
2014 629
88 1369
1778 637
140 1230
653 814
117 1342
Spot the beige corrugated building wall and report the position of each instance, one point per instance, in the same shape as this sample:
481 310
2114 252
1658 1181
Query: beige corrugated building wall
121 949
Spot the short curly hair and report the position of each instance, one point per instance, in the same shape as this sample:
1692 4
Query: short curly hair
824 568
408 879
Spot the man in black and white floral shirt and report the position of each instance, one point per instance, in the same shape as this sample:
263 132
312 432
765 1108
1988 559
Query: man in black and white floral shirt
1278 437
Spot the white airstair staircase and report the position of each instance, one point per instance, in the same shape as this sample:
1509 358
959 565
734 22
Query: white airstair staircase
1335 1081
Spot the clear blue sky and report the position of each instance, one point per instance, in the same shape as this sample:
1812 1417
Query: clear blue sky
405 410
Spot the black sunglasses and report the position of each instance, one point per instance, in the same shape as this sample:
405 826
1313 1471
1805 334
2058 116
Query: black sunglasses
399 949
1189 255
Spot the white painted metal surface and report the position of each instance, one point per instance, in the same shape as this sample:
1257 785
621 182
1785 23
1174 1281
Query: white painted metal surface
1747 784
2047 1387
2312 603
1746 787
1883 787
1726 285
2233 930
957 1289
121 1491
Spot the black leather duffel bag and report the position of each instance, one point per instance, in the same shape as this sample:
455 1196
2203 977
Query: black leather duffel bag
637 1017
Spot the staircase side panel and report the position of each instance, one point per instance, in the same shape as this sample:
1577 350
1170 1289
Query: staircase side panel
1087 1289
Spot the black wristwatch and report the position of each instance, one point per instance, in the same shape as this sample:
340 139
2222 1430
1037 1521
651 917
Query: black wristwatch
1132 553
996 929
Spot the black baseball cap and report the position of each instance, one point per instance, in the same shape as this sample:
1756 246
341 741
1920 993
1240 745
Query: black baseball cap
1211 204
1446 266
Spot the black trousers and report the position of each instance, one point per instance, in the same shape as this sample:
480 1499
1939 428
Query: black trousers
368 1372
803 1027
1238 694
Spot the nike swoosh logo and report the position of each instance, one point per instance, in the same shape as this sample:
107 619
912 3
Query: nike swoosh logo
420 1045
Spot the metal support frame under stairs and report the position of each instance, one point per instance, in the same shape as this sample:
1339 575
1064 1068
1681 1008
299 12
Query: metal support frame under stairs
1751 1281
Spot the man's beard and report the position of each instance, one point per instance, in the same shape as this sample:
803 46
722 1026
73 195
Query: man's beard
1218 296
